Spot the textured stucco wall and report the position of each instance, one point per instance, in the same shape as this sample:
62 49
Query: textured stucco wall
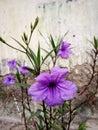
79 17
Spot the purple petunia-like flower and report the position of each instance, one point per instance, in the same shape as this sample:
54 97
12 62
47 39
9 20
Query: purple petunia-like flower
64 50
12 64
52 88
23 69
9 80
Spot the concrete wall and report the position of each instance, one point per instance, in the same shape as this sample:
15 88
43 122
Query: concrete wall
56 17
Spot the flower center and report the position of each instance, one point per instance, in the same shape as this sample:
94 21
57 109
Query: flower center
9 79
63 48
52 84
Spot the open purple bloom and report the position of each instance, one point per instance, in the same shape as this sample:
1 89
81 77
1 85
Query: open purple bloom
23 69
52 88
12 64
9 80
64 51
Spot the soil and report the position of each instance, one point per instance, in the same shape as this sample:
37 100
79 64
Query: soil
10 109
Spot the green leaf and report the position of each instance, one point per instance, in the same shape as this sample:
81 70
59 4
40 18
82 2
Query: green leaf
82 126
64 36
44 38
26 107
2 40
36 114
31 116
38 56
47 52
31 70
25 38
36 61
41 121
33 57
10 45
55 127
22 85
35 24
95 43
18 76
19 43
47 56
53 44
28 129
60 41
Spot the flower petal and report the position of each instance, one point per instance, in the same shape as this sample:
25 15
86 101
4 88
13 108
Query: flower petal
43 78
53 97
23 69
38 92
9 80
62 72
67 90
12 64
65 44
65 54
64 51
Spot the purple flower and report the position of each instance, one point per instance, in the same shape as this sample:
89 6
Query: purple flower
64 51
52 88
9 80
12 64
23 69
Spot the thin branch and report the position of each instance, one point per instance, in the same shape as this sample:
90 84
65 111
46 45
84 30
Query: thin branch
92 76
44 111
62 118
13 47
50 117
70 116
23 109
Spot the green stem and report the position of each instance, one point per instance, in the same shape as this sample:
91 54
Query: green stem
44 111
50 118
23 109
70 116
62 118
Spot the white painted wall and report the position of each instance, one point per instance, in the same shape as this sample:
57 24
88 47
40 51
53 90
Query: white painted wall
79 17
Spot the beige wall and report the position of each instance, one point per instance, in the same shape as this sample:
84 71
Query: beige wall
79 17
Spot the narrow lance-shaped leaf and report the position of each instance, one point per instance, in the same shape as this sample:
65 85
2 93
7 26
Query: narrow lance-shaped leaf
35 24
30 59
31 70
25 38
38 56
49 54
22 85
19 43
64 36
1 39
82 126
95 43
58 46
27 52
33 57
43 60
44 38
53 44
18 76
60 41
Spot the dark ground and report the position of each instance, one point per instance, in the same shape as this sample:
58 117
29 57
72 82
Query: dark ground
10 109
